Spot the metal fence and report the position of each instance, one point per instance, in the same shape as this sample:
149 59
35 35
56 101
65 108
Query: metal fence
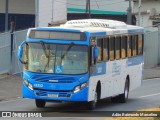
8 60
12 65
5 52
18 37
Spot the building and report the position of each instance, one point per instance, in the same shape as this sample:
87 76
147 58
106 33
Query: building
150 13
100 9
117 7
23 14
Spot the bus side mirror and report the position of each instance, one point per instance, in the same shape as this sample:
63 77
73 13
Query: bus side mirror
20 52
95 53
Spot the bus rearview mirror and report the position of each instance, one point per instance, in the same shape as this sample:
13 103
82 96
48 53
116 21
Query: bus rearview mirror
95 53
20 52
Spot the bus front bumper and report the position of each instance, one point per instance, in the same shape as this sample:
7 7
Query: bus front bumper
68 96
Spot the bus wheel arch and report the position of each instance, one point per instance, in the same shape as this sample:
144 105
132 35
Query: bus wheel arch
128 78
98 89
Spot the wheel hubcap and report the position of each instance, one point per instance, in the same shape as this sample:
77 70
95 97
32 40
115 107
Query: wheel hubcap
126 91
95 98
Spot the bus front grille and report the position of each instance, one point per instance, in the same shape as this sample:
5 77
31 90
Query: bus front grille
57 81
46 93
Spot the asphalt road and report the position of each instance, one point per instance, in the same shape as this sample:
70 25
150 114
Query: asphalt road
147 96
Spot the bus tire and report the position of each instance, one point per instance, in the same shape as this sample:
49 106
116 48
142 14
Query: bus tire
40 103
114 99
92 104
124 97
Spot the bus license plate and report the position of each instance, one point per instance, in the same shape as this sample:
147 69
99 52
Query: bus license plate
53 95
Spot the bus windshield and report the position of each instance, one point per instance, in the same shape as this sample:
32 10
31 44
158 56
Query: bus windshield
58 59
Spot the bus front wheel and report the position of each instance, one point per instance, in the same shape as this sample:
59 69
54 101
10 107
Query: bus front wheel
92 104
40 103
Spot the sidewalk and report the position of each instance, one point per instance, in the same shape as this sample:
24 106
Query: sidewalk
10 85
150 73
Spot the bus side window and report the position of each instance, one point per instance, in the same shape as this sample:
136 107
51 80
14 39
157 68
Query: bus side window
117 47
112 48
100 48
124 47
140 44
105 49
129 43
134 45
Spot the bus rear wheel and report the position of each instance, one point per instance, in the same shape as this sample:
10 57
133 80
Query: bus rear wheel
40 103
124 97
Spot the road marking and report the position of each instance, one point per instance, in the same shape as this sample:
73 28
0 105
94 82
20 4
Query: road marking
149 95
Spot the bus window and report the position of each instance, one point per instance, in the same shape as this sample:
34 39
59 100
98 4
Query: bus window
105 49
140 44
100 47
129 46
124 47
117 47
134 45
111 48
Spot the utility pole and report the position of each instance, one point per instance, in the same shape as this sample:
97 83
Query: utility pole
88 8
129 14
158 44
139 13
36 13
6 16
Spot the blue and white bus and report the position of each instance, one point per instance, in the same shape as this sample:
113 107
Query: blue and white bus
82 61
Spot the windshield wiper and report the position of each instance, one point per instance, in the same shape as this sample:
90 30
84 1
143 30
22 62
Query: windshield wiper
44 49
47 55
68 49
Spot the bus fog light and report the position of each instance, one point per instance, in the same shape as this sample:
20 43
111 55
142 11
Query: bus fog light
76 89
30 86
83 85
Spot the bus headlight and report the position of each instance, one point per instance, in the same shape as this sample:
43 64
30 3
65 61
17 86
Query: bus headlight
83 85
29 85
76 89
79 87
